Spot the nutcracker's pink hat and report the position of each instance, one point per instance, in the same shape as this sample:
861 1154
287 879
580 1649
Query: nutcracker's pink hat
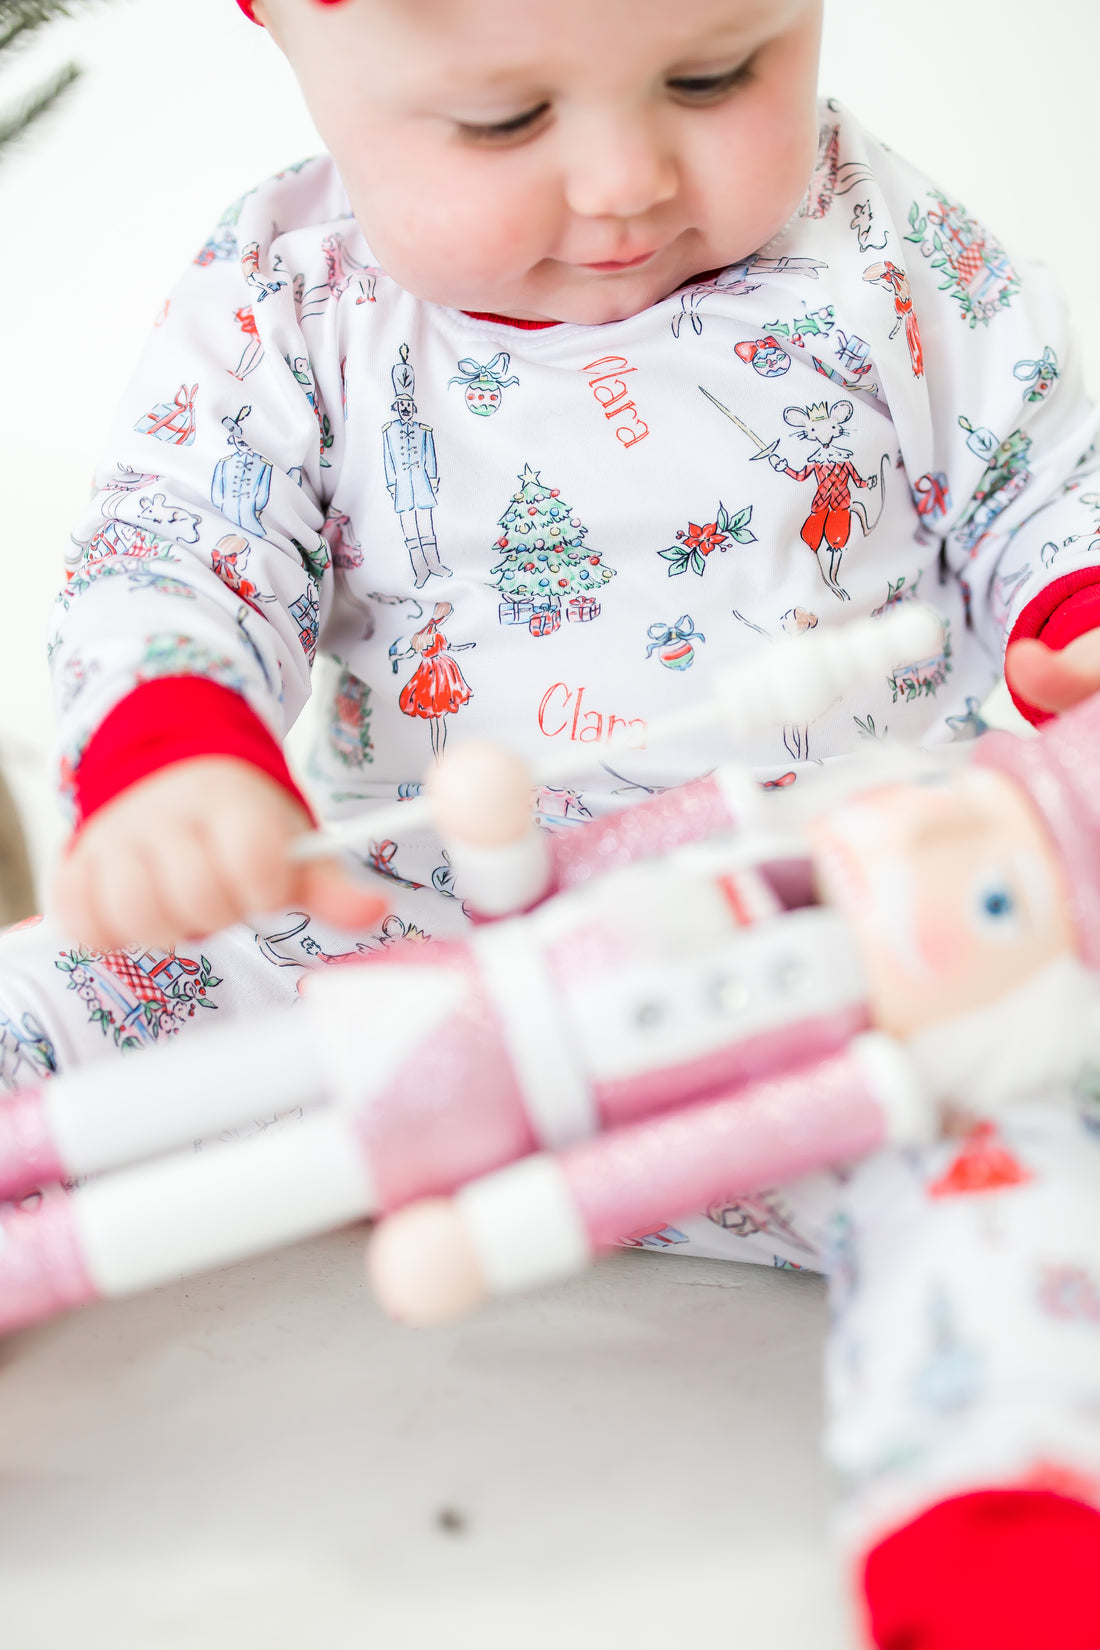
1060 773
246 7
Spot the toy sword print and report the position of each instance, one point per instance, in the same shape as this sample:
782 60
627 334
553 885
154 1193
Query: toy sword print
766 449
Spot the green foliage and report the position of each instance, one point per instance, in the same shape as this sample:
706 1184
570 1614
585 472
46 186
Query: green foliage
18 21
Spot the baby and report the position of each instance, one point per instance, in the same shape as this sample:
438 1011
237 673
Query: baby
594 323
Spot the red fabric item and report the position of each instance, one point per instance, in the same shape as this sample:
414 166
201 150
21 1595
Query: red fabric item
997 1570
509 320
246 7
171 720
1057 616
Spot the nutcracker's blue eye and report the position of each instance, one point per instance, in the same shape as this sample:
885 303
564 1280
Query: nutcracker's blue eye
996 907
998 902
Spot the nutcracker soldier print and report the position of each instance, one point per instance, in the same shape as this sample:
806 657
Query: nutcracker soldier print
437 688
412 475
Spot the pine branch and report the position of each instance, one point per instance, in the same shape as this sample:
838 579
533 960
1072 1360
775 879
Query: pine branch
19 17
13 125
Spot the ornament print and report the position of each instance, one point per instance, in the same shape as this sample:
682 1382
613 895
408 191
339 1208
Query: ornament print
1039 376
484 383
674 644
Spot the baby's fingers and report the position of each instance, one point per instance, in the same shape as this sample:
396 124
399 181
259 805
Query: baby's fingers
1051 680
325 890
249 848
197 894
126 903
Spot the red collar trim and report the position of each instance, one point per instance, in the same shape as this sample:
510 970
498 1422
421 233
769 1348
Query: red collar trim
538 326
509 320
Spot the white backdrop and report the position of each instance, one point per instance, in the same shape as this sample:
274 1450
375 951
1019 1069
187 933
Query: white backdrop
185 105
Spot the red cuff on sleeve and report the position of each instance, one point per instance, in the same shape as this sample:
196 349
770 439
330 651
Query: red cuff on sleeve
171 720
995 1570
1057 616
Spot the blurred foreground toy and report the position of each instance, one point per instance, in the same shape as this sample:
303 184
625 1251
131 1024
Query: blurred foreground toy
721 989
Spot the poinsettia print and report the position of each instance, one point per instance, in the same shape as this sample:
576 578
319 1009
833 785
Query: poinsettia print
696 542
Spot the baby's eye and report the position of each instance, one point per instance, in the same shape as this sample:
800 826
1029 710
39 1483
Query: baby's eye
710 88
502 130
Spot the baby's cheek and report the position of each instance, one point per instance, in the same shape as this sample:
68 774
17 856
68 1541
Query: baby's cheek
458 234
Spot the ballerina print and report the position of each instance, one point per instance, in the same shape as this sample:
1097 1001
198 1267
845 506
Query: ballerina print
437 688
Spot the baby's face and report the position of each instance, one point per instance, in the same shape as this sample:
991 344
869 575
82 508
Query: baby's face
566 160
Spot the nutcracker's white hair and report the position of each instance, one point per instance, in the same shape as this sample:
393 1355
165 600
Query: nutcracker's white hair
1037 1038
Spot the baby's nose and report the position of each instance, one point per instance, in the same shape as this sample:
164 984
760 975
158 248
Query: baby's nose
621 172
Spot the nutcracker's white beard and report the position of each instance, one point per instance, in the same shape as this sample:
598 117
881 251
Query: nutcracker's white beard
1038 1037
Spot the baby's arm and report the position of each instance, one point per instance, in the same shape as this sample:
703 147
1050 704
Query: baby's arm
186 631
1003 454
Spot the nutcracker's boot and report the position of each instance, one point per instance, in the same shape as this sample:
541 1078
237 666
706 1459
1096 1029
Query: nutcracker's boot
431 556
421 571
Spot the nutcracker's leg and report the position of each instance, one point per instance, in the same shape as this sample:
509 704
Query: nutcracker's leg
963 1373
548 1215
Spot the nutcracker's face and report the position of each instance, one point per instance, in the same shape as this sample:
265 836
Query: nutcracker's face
952 891
570 160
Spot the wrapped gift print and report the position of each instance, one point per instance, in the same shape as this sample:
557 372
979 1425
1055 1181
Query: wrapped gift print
1007 474
349 725
545 560
174 420
137 996
975 267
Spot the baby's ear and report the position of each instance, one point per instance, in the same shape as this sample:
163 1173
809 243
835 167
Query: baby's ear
797 417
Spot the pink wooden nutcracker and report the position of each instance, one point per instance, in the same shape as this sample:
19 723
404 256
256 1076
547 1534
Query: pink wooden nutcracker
757 1016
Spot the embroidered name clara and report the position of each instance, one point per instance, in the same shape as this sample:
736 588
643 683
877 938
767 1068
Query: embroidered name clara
613 394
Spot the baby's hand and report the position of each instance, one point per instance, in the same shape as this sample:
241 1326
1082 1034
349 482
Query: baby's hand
191 849
1054 680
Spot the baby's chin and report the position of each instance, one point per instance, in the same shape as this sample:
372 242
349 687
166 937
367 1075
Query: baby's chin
582 298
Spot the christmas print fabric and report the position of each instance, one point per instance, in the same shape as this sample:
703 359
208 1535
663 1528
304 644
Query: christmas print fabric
311 465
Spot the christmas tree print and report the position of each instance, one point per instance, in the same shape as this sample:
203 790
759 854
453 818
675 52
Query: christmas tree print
545 560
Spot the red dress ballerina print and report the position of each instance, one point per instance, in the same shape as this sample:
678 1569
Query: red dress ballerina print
895 280
437 688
